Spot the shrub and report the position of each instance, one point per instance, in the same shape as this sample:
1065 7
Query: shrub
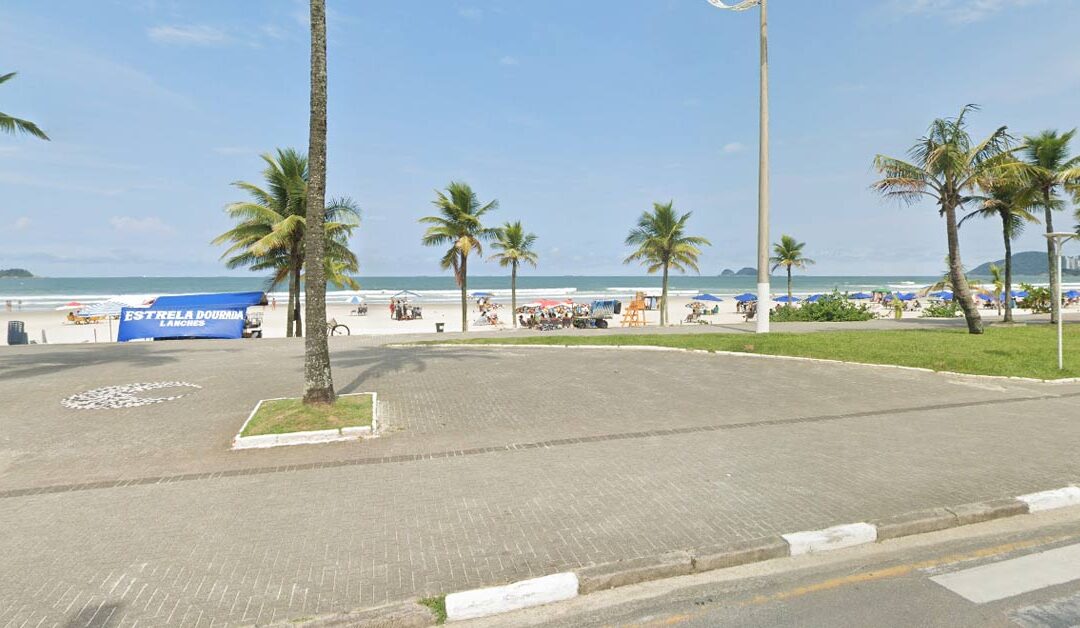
829 308
945 309
1038 300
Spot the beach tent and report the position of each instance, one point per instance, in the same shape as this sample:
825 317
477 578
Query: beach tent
406 294
216 315
707 297
944 295
786 299
859 296
546 303
356 300
745 297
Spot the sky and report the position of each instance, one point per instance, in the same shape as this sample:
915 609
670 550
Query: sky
576 116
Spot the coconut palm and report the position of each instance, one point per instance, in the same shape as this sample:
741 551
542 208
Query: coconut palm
789 253
271 227
1049 171
514 246
12 125
662 244
1006 200
946 165
459 227
318 379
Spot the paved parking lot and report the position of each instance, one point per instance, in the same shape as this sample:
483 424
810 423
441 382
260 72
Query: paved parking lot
494 464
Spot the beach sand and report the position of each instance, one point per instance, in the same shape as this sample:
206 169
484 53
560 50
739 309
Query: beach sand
57 330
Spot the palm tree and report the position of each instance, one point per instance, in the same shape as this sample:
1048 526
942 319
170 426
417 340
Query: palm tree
458 225
662 244
997 277
318 379
789 253
12 125
1008 201
946 166
271 228
1049 171
514 246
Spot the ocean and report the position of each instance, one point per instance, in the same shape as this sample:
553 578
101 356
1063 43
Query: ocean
47 293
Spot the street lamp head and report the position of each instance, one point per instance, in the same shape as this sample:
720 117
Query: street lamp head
741 6
1061 236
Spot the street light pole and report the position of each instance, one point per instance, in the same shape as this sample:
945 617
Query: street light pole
1057 238
764 302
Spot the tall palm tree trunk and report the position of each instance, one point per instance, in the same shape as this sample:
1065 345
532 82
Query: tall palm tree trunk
961 292
298 327
663 299
290 312
1051 258
789 284
318 380
513 293
1007 297
464 299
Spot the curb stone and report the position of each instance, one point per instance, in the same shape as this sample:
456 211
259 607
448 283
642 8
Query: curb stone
489 601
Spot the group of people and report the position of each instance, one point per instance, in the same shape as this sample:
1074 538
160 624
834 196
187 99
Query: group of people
402 310
489 312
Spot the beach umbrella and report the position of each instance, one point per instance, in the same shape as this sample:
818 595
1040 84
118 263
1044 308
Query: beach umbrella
707 297
786 299
1020 294
858 296
356 300
483 295
905 296
985 297
745 297
1072 294
70 305
406 294
813 298
944 295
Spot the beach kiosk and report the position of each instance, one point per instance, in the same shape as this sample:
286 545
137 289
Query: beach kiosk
216 315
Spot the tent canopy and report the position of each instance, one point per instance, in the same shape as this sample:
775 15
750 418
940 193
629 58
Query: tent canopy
859 296
211 300
406 293
745 297
707 297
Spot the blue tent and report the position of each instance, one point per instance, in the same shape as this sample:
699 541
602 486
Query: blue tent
786 299
1020 294
859 296
942 294
745 297
212 300
707 297
1072 294
905 296
813 298
218 315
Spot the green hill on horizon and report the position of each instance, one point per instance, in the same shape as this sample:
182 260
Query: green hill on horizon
1029 263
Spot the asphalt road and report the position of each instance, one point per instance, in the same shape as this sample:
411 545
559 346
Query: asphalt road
1017 572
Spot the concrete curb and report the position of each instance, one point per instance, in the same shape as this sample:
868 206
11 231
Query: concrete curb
407 614
489 601
264 441
767 356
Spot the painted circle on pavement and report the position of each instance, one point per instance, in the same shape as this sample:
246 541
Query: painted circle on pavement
125 396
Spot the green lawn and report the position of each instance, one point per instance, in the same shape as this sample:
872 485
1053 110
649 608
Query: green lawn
282 416
1022 351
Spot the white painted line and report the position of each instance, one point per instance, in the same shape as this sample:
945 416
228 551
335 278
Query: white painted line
836 537
1048 500
523 594
1007 578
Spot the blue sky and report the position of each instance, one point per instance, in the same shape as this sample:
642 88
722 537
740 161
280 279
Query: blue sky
575 115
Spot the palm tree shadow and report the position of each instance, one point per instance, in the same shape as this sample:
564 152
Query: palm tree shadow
377 362
29 363
104 616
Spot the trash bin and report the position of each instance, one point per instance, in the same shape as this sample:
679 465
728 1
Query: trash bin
439 327
16 333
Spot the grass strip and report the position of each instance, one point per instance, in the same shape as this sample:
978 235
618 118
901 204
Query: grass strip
1017 351
437 606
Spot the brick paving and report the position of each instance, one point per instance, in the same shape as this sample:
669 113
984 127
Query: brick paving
495 465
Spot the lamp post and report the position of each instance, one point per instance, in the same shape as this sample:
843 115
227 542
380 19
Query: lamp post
1059 237
764 304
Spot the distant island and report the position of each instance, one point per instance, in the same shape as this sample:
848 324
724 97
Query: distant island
1031 263
742 272
15 273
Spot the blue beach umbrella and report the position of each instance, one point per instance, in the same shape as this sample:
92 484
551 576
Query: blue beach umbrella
985 297
1020 294
786 299
813 298
483 295
1072 294
707 297
905 296
355 300
942 294
858 296
745 297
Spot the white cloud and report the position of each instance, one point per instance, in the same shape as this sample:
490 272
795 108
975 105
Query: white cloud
21 223
960 11
733 147
131 224
193 35
508 60
273 32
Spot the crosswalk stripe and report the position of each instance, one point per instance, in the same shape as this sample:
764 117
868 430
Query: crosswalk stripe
1007 578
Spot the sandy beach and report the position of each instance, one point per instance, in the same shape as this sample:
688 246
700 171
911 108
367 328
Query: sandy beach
52 327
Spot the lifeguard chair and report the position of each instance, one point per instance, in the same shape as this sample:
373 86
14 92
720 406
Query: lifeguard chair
634 314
